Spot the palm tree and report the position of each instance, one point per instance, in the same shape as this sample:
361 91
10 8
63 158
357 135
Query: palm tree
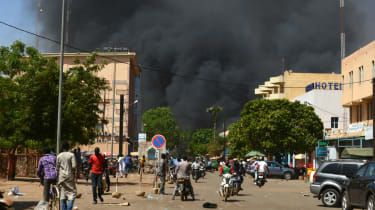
214 111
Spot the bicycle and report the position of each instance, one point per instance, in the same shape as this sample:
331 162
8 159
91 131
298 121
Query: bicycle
54 201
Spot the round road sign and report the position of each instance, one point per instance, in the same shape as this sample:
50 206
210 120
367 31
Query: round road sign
158 141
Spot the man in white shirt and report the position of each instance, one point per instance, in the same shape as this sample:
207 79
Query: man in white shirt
260 166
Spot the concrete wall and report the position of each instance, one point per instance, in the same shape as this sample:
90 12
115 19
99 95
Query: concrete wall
327 104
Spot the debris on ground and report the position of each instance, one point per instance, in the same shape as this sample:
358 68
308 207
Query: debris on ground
15 191
140 193
209 205
116 195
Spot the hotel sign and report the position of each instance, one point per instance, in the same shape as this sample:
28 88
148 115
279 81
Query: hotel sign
324 86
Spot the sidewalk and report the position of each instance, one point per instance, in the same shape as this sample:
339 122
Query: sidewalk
33 191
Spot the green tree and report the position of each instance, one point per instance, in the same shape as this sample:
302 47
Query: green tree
274 126
200 141
29 92
160 120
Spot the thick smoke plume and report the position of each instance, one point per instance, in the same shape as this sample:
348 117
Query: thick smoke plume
240 41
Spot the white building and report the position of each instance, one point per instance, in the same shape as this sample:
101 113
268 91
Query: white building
327 105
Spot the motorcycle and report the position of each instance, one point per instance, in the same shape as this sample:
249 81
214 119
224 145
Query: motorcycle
226 187
185 188
202 171
196 174
260 179
235 180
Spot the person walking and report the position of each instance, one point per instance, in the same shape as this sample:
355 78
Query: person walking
66 166
78 157
107 173
163 167
142 163
47 172
121 165
97 168
128 165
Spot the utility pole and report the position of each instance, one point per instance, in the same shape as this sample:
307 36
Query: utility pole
62 42
373 113
225 141
121 135
113 107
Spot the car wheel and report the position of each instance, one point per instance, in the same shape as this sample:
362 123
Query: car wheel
287 176
345 203
330 197
370 203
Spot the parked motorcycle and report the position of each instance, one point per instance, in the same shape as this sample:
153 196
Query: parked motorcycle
260 179
226 187
185 189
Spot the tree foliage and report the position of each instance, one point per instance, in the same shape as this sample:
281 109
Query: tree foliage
200 141
275 126
160 120
29 95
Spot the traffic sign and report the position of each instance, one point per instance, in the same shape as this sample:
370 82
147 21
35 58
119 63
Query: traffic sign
142 137
322 143
158 141
321 151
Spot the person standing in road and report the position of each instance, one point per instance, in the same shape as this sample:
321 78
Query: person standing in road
163 167
66 166
97 168
77 155
47 172
128 165
107 173
142 163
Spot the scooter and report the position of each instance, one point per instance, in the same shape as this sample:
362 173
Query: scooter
185 188
260 179
226 187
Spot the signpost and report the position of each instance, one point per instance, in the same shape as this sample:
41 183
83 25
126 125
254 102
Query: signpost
158 142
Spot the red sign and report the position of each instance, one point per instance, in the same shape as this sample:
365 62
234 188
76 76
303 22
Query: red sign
158 141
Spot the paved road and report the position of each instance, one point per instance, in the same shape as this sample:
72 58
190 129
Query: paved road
275 195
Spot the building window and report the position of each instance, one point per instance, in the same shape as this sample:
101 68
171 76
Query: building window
373 68
369 111
334 122
359 113
351 114
361 75
351 79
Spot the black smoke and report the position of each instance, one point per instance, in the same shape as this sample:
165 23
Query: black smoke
242 41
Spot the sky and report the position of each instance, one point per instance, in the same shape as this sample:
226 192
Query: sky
16 13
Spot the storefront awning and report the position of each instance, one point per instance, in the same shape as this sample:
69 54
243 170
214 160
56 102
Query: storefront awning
356 153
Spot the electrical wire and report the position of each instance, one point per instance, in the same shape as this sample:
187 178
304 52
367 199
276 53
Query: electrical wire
155 69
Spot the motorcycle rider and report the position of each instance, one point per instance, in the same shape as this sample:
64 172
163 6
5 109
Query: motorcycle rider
238 171
195 166
224 169
183 171
261 167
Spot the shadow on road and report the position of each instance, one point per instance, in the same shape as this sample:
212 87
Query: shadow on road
25 204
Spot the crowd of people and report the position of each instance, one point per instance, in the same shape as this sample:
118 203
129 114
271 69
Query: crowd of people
64 169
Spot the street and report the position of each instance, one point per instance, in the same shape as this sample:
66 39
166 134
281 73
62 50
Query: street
276 194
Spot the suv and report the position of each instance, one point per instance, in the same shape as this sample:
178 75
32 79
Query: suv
274 169
359 191
329 179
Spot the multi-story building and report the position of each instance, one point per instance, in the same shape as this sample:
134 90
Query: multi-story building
120 69
357 71
292 84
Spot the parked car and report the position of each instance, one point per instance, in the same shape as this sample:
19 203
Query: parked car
328 180
275 170
359 191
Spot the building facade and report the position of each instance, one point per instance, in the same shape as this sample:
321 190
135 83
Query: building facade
357 71
120 70
292 84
